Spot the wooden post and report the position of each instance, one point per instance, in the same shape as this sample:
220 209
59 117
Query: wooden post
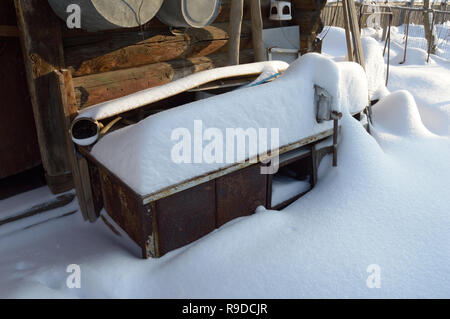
236 16
347 32
352 31
40 33
427 25
78 164
257 27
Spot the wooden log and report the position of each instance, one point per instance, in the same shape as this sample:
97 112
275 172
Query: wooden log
97 53
42 48
257 27
97 88
236 17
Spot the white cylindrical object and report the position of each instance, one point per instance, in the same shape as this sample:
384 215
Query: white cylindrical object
99 15
189 13
85 131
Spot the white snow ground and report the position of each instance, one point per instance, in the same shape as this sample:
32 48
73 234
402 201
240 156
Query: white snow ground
388 203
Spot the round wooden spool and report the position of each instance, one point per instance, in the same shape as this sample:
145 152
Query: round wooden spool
97 15
189 13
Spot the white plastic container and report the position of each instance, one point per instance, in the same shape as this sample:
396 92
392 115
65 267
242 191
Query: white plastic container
189 13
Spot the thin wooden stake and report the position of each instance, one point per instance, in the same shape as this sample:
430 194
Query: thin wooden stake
236 16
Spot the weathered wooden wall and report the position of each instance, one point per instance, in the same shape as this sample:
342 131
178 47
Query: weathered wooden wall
19 149
107 65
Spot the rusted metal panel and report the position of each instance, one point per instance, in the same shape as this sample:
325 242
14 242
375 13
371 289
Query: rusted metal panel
240 193
122 205
97 196
185 217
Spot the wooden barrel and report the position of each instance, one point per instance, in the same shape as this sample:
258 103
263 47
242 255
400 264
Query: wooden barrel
99 15
189 13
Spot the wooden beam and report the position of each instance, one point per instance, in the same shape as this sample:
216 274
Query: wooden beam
356 35
9 31
40 34
348 35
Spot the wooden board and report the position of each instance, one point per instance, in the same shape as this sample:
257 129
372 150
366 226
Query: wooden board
42 48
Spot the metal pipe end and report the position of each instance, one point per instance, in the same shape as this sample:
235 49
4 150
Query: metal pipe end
85 131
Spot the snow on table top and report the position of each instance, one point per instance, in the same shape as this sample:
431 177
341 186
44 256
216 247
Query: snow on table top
140 154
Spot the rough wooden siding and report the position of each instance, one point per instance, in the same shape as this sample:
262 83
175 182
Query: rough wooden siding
19 149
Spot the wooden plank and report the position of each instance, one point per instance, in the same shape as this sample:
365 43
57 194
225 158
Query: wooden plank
67 94
9 31
42 48
97 88
356 35
86 189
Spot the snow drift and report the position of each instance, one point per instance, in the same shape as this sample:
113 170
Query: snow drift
398 114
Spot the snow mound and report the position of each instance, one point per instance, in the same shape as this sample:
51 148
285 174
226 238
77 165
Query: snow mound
353 79
414 56
398 114
141 155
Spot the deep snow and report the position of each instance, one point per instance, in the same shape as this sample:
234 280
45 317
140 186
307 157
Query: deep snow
387 203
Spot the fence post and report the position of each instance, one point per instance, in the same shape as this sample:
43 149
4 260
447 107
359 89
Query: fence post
427 26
